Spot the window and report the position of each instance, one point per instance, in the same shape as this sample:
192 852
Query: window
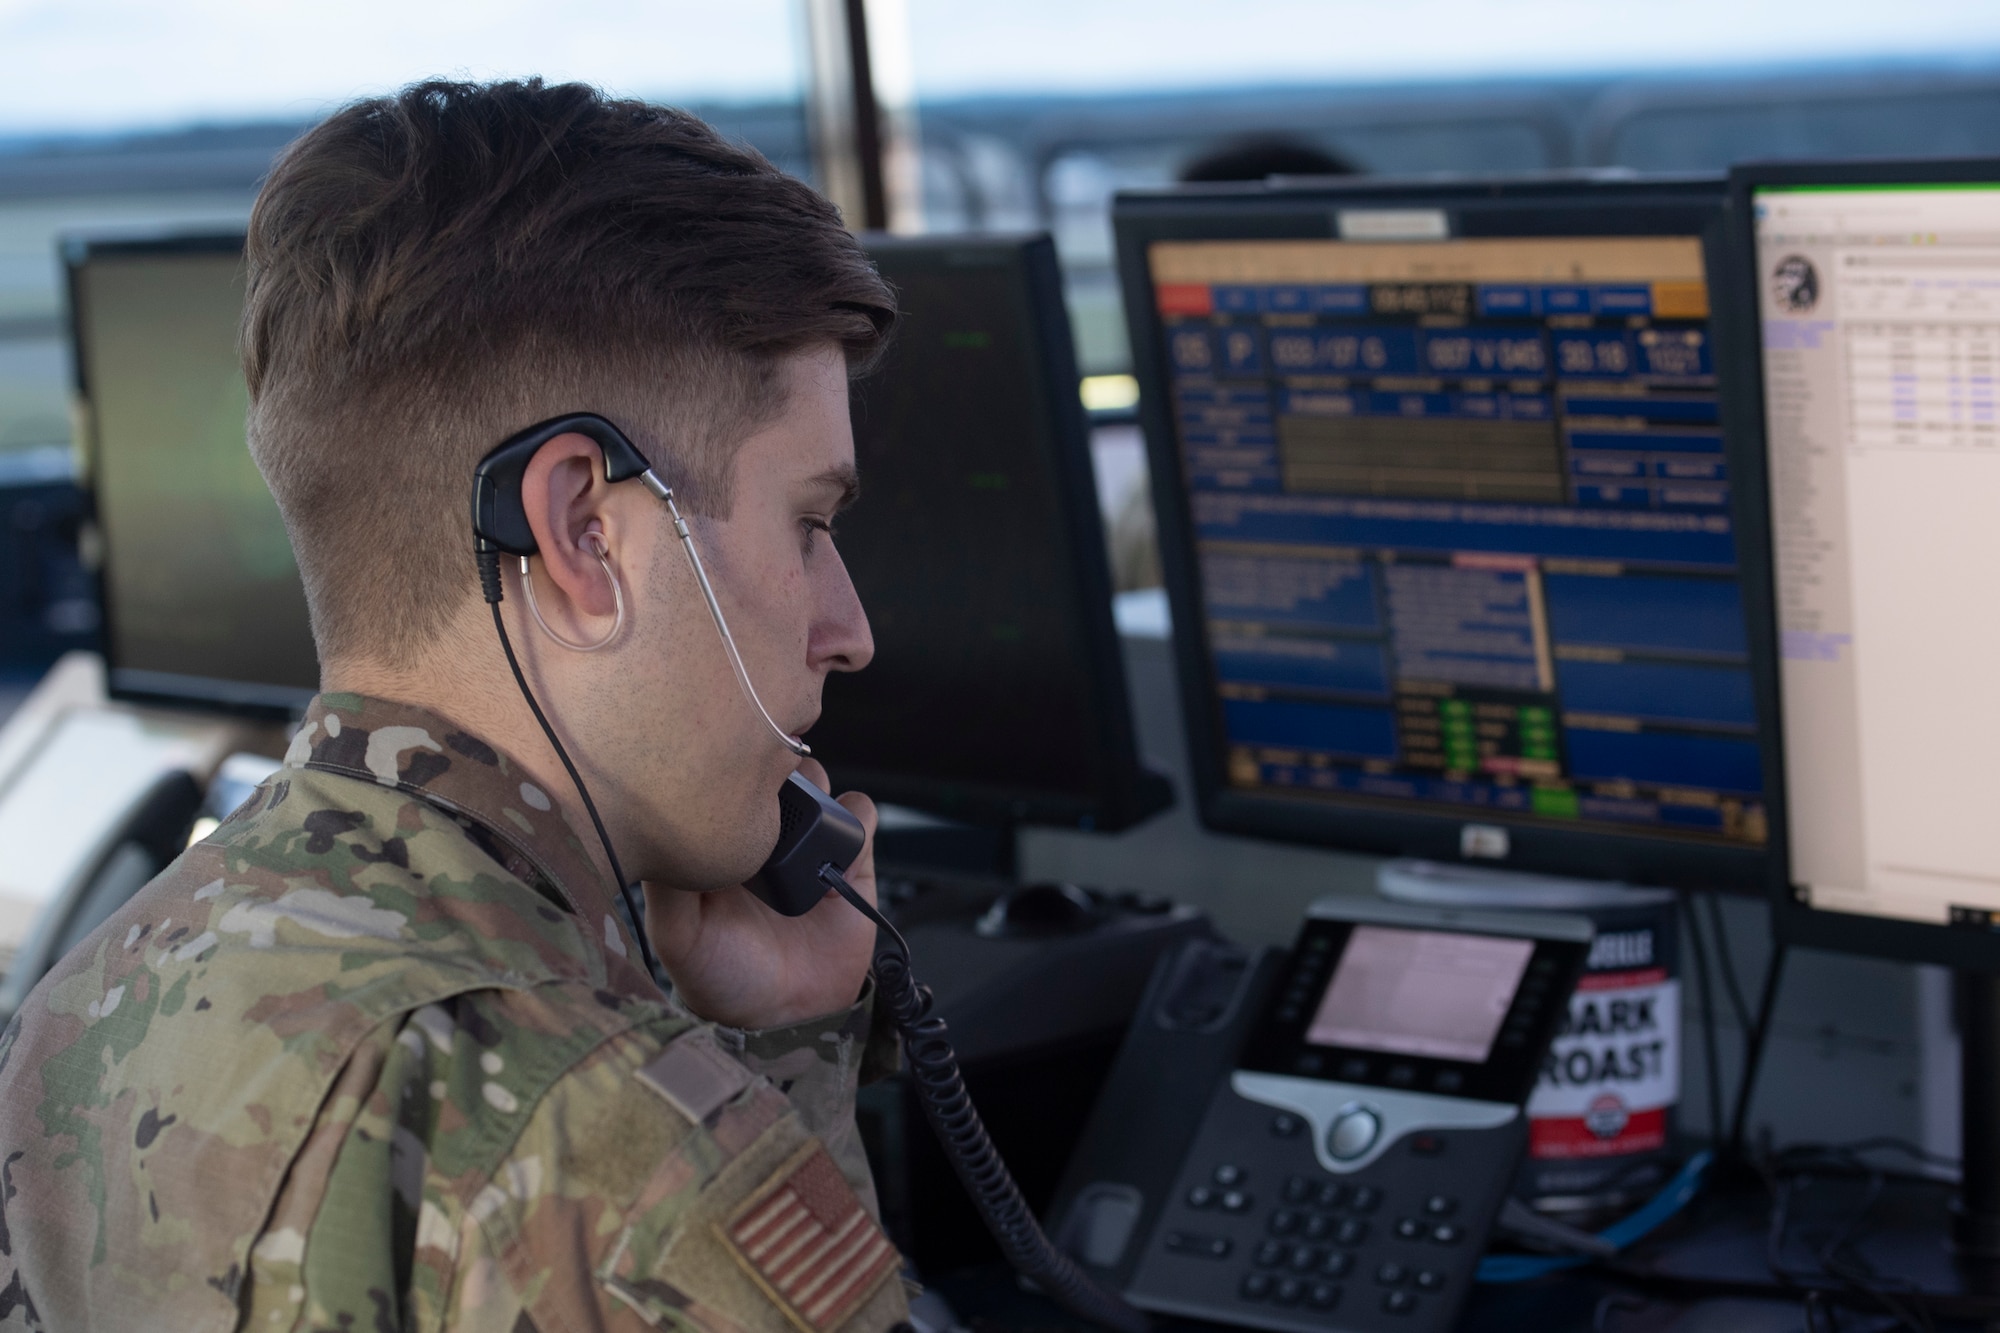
1032 114
119 114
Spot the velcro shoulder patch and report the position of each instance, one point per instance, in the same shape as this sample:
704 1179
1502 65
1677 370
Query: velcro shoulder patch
807 1241
697 1077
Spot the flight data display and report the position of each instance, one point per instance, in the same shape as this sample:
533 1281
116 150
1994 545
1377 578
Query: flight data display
1880 316
1461 520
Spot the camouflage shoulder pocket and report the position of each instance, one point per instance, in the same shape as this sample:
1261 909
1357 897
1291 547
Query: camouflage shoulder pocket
684 1260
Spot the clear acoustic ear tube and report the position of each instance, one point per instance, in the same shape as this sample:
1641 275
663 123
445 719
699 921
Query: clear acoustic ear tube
934 1066
653 483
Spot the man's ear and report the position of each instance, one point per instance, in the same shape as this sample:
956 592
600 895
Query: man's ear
563 492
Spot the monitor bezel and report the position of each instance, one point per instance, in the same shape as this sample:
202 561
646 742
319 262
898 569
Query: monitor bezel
1126 790
1547 204
253 700
1793 921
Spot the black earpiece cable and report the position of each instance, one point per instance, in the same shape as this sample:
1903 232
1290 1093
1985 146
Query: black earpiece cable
489 583
941 1089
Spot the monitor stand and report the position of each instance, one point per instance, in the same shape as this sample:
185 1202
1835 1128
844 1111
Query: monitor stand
1450 884
1975 1221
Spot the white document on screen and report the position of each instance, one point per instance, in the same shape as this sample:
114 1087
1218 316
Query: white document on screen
1882 334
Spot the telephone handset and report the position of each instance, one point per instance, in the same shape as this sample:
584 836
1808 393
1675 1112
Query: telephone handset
814 830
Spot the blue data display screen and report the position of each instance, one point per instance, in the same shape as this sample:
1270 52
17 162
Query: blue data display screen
1461 518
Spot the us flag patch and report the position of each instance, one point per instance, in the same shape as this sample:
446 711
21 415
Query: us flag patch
810 1244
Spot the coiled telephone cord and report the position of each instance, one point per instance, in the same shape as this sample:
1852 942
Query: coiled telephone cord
941 1089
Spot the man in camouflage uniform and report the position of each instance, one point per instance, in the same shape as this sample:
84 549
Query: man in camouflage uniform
380 1053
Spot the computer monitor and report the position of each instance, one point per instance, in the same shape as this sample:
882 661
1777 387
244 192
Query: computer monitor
202 600
997 694
1449 523
1878 310
1873 394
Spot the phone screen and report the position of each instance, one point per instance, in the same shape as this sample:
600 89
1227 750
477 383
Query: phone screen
1420 992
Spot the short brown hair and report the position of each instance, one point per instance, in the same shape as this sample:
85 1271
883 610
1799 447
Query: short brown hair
433 271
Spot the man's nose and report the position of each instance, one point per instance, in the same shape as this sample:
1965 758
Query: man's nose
840 640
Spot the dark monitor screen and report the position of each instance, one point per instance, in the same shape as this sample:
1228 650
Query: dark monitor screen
996 693
202 597
1448 520
1878 312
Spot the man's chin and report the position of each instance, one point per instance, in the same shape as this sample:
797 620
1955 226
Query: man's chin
719 848
715 878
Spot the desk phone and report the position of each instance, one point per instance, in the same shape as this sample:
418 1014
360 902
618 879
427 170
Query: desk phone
1326 1146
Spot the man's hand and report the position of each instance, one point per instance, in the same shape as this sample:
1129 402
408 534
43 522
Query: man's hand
735 961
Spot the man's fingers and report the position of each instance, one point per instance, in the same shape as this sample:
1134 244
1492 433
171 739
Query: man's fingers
673 919
857 804
862 808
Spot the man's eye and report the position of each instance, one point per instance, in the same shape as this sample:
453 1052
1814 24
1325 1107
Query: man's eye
811 527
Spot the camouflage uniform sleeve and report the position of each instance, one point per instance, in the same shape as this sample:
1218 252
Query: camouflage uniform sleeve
818 1064
449 1182
729 1215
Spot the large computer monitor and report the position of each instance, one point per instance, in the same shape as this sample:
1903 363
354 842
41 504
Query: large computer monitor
202 601
1874 396
1877 393
997 694
1449 523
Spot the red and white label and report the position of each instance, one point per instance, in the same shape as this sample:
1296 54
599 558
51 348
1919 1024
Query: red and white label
1613 1069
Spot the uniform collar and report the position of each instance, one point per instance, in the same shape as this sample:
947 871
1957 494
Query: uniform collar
508 814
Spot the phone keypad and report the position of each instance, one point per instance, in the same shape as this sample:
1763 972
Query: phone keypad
1389 1247
1289 1268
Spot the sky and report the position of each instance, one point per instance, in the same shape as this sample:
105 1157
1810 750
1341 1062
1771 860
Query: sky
958 48
88 65
92 65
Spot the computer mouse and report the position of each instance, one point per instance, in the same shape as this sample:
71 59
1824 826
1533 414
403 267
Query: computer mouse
1039 910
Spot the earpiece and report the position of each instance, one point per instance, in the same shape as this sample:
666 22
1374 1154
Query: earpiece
500 523
499 519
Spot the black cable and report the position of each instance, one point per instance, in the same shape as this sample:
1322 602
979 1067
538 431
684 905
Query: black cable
1842 1271
1725 963
626 890
1834 1257
941 1089
1753 1054
1711 1057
